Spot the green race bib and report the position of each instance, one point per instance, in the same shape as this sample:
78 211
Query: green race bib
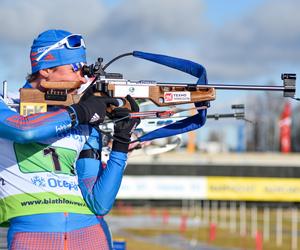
37 157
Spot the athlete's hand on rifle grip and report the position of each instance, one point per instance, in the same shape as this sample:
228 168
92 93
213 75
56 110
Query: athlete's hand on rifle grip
91 109
124 128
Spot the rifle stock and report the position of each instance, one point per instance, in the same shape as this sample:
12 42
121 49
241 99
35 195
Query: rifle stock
56 93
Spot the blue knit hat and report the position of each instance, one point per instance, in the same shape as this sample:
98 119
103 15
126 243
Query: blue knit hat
54 48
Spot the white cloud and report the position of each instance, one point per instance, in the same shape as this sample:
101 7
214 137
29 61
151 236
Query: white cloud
22 21
258 43
25 19
264 40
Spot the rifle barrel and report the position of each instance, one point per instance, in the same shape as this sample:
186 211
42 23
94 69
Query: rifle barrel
233 86
247 87
230 115
288 87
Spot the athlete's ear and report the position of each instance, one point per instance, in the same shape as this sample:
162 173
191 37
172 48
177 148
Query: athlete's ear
45 73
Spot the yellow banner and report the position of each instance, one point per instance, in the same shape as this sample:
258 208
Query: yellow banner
253 189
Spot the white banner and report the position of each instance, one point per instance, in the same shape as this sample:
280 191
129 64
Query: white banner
162 187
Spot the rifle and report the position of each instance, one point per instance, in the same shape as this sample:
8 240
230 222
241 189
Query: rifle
160 93
57 93
150 124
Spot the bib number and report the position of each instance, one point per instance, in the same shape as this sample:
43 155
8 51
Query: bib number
36 157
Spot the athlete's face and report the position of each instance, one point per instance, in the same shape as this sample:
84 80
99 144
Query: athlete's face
65 73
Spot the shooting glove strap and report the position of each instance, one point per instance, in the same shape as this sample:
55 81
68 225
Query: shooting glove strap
90 153
72 115
119 146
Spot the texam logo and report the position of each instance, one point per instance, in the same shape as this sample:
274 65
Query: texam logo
168 97
181 96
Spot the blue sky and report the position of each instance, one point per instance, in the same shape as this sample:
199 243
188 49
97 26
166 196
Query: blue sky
238 41
219 12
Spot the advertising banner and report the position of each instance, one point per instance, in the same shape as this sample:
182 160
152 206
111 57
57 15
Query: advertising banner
253 189
163 187
210 188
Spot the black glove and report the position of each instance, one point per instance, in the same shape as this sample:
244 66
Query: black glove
91 109
124 128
